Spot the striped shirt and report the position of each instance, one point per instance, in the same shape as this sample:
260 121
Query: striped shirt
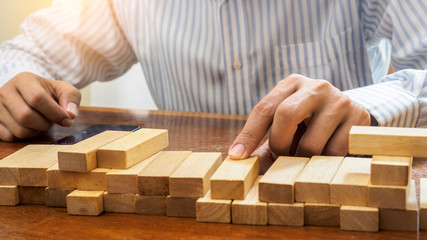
225 55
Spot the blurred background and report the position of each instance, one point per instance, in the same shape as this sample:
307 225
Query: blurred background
130 91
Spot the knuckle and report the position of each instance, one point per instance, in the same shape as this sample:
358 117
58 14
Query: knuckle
35 98
288 110
264 108
22 133
25 116
248 138
7 137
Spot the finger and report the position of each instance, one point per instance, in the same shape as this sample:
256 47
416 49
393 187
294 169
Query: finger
69 97
290 113
23 114
267 158
5 134
39 97
261 117
17 130
338 143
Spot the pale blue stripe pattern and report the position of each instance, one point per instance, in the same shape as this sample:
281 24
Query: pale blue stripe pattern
188 50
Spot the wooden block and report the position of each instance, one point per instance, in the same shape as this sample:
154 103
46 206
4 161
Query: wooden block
390 170
81 157
350 184
286 214
320 214
362 219
313 183
394 197
388 141
91 181
57 197
126 180
154 179
234 178
132 148
151 205
181 206
87 203
423 203
401 220
32 195
9 195
29 163
250 210
277 184
119 202
191 178
213 210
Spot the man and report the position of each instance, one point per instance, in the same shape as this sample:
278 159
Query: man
266 58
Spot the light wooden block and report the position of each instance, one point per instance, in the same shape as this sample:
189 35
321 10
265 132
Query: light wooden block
87 203
28 165
191 178
401 220
319 214
132 148
57 197
388 141
9 195
81 156
286 214
362 219
90 181
390 170
234 178
250 210
154 179
119 202
181 206
32 195
423 203
126 180
277 184
350 184
213 210
151 205
394 197
313 183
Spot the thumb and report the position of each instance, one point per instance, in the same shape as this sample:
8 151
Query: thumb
68 97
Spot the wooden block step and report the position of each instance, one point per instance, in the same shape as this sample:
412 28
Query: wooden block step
286 214
181 206
213 210
388 141
362 219
9 195
313 183
132 148
126 180
191 178
390 170
234 178
277 184
154 179
393 197
86 203
320 214
119 202
350 184
81 156
57 197
250 210
401 220
151 205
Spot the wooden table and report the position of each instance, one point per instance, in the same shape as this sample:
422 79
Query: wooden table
187 131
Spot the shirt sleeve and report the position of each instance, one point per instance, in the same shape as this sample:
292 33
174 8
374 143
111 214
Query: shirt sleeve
398 99
78 41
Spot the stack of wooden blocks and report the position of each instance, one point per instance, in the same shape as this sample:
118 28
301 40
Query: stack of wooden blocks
128 172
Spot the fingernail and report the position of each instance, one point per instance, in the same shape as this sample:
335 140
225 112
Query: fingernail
67 122
72 109
237 151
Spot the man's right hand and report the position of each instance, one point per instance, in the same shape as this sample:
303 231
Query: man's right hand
30 104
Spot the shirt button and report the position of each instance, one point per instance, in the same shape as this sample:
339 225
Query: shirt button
237 65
